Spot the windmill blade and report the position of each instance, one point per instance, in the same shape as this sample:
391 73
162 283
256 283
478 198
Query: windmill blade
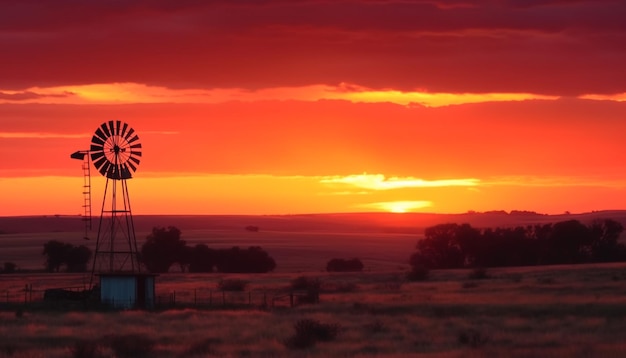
111 128
134 160
132 166
138 145
96 148
125 172
117 127
100 134
105 129
135 138
124 129
104 169
130 132
100 162
97 140
97 155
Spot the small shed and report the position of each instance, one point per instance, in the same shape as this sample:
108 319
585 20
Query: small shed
128 290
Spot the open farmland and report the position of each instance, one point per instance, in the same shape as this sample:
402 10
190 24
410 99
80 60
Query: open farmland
550 311
559 311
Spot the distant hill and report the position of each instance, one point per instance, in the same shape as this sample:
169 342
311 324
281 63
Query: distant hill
350 222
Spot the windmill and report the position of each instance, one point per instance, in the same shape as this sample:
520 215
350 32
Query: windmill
115 152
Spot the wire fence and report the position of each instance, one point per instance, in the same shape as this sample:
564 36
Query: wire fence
197 297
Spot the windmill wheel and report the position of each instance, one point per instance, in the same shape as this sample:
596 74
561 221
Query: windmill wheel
115 150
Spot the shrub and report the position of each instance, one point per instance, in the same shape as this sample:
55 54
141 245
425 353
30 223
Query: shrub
9 267
131 345
305 283
203 348
232 284
418 273
472 337
310 285
84 349
308 332
479 273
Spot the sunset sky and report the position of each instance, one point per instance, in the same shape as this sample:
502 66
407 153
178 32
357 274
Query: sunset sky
314 106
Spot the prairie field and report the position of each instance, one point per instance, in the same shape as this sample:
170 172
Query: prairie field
558 311
547 311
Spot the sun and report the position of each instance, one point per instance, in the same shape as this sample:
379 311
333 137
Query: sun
403 206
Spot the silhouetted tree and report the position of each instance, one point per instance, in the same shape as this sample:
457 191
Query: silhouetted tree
252 260
605 236
202 259
56 254
77 258
163 248
343 265
440 248
9 267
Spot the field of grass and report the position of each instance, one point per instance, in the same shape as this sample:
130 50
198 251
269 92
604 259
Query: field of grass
553 311
558 311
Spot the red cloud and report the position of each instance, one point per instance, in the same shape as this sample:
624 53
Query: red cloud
545 47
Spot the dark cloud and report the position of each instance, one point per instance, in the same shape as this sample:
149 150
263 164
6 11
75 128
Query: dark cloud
551 47
28 95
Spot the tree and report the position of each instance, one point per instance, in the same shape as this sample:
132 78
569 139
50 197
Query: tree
440 248
9 267
163 248
56 254
605 236
202 259
252 260
77 258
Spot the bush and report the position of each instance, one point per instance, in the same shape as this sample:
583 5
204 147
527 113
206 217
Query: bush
418 273
232 284
132 345
203 348
479 273
472 337
84 349
305 283
9 267
309 332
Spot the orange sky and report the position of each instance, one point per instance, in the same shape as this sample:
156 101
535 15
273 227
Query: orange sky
313 106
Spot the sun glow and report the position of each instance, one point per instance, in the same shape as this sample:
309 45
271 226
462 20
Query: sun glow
380 182
400 206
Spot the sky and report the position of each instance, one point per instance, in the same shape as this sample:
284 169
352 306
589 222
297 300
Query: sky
318 106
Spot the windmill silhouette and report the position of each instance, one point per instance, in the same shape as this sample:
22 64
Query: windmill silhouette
115 152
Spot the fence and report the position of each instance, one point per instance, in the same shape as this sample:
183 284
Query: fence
197 297
202 297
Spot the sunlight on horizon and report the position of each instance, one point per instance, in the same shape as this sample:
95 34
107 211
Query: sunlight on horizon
130 92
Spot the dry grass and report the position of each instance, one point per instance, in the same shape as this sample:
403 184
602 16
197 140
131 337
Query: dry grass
560 311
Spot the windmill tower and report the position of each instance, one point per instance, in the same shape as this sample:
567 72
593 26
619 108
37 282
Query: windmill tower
115 152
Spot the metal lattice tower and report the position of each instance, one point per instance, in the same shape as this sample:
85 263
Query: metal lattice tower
115 152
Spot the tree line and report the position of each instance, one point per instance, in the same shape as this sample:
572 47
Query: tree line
164 248
565 242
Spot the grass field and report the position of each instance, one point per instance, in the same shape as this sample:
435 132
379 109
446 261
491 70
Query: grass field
552 311
559 311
